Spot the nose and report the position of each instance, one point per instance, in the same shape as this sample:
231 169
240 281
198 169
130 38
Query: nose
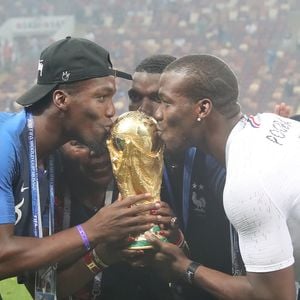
110 110
158 115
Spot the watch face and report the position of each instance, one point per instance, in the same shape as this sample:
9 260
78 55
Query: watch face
190 276
190 272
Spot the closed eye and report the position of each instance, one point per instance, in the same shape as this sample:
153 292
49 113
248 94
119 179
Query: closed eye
154 97
101 98
164 101
134 96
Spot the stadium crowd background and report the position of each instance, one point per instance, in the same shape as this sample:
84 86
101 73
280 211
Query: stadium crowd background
259 39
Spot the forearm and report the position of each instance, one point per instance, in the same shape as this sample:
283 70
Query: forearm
111 224
73 278
272 285
222 285
277 285
71 258
19 254
69 280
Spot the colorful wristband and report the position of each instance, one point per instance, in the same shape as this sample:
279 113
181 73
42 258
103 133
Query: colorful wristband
84 237
180 240
91 264
98 260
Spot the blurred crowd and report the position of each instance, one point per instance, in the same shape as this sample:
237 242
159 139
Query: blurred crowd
259 39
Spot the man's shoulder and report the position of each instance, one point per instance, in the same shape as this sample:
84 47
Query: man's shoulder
5 116
10 121
12 126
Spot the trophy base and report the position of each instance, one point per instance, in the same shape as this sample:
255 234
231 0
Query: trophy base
141 242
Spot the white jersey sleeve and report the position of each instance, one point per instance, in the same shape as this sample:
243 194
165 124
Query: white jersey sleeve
262 190
264 237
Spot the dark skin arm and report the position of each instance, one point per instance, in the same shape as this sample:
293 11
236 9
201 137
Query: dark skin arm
68 280
72 279
19 254
277 285
112 223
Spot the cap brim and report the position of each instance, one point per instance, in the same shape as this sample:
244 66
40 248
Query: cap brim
121 74
36 93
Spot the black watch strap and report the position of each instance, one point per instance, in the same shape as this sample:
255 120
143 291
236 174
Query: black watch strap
190 272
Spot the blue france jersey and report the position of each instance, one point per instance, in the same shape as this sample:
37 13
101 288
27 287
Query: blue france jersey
15 197
4 116
208 229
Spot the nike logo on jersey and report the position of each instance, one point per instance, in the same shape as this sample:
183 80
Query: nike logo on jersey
18 211
24 188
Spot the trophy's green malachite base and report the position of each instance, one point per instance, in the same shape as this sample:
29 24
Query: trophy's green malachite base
141 242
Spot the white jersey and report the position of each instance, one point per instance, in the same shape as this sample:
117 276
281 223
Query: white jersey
262 191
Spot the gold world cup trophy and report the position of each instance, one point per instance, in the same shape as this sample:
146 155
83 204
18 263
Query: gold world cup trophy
136 153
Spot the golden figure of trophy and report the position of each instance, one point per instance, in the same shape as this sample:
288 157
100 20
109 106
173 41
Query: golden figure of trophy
136 153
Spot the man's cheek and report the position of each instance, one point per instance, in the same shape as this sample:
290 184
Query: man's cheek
174 121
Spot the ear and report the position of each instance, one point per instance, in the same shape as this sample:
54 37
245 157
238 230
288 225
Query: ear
204 107
61 99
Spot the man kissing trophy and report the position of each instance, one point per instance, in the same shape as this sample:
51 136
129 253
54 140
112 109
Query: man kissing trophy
136 153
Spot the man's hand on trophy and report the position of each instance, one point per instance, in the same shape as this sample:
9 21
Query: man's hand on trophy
169 260
114 223
112 253
169 224
164 214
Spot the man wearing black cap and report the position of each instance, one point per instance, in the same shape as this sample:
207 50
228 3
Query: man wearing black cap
71 100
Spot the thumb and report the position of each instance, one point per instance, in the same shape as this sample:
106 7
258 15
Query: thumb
119 197
153 240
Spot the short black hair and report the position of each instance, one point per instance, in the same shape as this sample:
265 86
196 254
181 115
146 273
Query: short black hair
155 64
209 77
295 117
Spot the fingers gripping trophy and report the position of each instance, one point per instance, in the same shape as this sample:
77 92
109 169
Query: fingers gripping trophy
136 153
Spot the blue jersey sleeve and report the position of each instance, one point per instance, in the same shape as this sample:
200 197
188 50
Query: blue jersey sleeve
4 116
8 170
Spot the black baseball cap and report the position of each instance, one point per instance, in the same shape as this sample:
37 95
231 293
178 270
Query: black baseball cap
69 60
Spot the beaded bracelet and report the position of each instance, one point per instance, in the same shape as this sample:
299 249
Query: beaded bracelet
182 243
84 237
180 240
98 260
91 264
